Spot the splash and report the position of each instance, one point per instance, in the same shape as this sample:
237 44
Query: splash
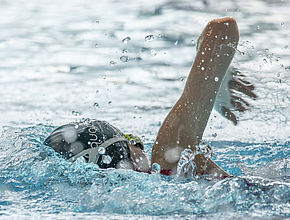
186 166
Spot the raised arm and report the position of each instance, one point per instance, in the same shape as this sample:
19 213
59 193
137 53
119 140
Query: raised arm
184 125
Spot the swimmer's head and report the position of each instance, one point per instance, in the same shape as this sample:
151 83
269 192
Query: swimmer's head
96 142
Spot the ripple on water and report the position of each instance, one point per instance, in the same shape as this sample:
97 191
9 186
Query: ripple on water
41 180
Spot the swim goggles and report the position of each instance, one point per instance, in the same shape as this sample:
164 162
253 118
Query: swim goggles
94 153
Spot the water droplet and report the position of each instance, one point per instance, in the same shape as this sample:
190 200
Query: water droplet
216 79
76 148
226 37
227 24
125 51
69 134
106 159
155 168
258 27
202 68
181 78
153 52
202 61
109 102
96 105
206 78
192 42
214 135
202 52
209 48
172 154
282 23
132 142
265 61
216 36
149 37
112 62
175 43
97 91
278 74
97 21
96 45
126 40
186 166
124 59
137 160
205 149
101 150
76 113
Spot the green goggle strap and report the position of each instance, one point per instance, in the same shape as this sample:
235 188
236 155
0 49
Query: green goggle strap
131 137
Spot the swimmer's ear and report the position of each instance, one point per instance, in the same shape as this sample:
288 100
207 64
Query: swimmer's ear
233 94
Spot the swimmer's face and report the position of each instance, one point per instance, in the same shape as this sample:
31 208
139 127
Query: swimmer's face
140 159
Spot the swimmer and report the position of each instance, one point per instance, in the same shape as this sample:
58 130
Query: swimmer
98 142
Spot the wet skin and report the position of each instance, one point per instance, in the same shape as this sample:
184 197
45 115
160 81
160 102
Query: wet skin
185 124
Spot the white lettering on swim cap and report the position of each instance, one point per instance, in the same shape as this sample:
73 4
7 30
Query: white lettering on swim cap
94 144
95 137
92 130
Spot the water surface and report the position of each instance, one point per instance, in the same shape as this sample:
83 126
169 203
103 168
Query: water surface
127 62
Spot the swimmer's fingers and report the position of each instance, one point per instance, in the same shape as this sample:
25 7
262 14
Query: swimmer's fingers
239 86
228 114
239 99
242 87
238 83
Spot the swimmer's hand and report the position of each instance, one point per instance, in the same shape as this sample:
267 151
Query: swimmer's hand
233 95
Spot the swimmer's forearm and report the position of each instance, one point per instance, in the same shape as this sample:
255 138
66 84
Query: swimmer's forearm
185 123
217 47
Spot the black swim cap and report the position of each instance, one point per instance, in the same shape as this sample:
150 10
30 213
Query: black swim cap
96 141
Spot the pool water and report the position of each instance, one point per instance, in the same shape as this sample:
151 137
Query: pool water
127 62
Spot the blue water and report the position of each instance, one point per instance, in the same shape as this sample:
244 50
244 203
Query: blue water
35 181
127 63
